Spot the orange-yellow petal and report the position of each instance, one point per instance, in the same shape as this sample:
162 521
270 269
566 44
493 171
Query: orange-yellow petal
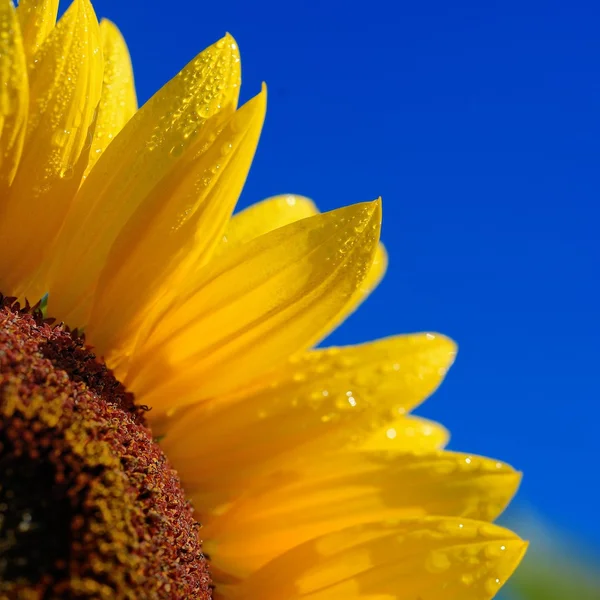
118 101
37 18
65 84
14 96
175 123
371 281
256 306
319 494
405 434
278 211
330 398
173 231
436 558
265 216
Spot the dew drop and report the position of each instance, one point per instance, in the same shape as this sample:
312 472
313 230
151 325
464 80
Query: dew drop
346 245
67 172
437 562
177 150
494 550
492 585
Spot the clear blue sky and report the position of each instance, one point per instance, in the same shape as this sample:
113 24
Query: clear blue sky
479 124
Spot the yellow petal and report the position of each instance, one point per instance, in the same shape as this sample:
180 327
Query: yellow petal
176 123
37 18
14 96
118 101
320 494
428 559
65 85
251 223
405 434
371 281
282 210
174 230
263 217
331 397
255 307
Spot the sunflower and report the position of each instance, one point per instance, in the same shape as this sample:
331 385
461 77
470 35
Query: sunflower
178 383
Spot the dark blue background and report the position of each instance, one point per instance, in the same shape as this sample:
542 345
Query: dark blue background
478 123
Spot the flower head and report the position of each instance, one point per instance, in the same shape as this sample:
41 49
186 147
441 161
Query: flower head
307 472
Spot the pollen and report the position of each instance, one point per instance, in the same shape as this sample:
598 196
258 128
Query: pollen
89 505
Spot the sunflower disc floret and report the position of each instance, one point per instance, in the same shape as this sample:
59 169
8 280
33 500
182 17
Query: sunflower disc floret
89 505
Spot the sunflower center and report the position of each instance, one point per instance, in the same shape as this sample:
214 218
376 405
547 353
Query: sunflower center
89 505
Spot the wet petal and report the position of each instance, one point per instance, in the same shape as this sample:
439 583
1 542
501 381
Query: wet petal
302 500
255 307
279 211
37 18
175 229
14 96
177 122
118 101
330 398
374 277
431 559
407 433
265 216
65 84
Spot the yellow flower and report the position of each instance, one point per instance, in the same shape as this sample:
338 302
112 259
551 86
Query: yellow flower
308 475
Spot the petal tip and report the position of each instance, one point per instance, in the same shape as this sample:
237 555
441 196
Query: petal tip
108 24
445 345
516 551
374 213
228 42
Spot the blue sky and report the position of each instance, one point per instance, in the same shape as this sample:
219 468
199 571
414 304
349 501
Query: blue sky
479 125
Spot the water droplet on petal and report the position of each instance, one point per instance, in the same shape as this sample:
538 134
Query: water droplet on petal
437 562
492 585
177 150
67 172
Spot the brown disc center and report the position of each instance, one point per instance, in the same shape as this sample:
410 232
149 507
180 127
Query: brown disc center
89 505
